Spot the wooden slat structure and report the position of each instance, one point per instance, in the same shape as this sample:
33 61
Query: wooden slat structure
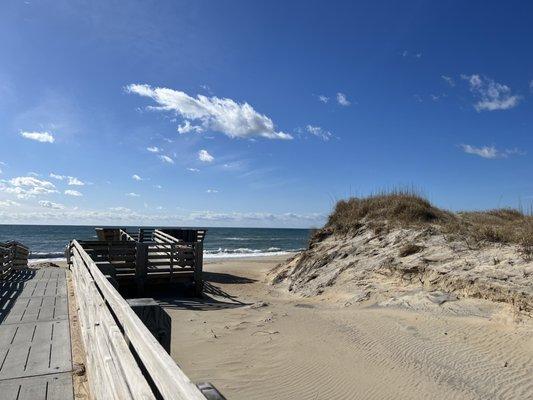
148 256
35 354
124 360
12 255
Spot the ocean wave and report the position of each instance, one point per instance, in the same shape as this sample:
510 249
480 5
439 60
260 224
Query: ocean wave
40 255
246 252
40 260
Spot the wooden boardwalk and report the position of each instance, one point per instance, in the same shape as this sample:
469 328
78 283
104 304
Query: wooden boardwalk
35 346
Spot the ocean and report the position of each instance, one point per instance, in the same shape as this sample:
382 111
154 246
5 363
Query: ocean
47 242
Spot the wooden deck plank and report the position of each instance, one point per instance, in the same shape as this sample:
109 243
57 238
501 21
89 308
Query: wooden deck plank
46 387
35 351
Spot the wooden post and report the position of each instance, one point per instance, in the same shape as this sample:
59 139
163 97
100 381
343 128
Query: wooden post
155 318
172 255
198 266
141 265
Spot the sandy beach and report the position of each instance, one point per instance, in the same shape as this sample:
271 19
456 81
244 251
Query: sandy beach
253 341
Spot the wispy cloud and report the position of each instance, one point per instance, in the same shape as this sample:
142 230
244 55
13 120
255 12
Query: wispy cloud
491 95
449 80
322 98
75 193
236 120
319 132
9 203
136 177
188 127
51 204
204 156
193 169
153 149
166 159
71 180
406 54
24 187
343 100
212 191
490 152
132 194
43 137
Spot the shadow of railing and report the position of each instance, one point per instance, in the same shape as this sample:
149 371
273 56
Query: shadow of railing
10 289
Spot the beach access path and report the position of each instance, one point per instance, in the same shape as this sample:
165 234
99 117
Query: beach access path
35 341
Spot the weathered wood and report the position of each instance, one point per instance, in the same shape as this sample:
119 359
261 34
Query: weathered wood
198 265
35 336
141 265
155 318
112 370
166 375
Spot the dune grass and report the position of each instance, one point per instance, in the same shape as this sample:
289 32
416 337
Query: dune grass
406 208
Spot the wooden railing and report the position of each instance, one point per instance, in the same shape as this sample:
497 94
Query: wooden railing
12 255
124 360
148 255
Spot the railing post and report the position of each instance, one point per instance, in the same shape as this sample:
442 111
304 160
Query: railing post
198 266
141 265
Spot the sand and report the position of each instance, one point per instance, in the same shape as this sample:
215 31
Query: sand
255 341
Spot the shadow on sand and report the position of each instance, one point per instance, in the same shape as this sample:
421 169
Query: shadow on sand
179 297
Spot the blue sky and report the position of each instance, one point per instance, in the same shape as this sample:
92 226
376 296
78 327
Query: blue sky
259 113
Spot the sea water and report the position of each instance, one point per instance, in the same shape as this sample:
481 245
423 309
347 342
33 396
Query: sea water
49 241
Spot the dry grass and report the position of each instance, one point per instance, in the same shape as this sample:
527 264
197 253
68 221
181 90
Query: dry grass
404 208
409 249
408 209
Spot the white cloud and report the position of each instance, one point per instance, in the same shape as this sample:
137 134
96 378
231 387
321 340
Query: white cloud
449 80
490 151
204 156
51 204
75 193
491 95
158 186
9 203
136 177
236 120
188 127
153 149
166 159
73 181
343 100
43 137
193 169
56 176
131 194
319 132
122 215
323 99
27 186
212 191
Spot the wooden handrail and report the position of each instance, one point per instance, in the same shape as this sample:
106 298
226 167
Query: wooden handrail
170 381
12 254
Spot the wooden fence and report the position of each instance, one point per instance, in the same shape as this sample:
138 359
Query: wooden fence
124 360
149 255
12 255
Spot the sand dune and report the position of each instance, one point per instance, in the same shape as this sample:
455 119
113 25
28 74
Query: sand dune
256 342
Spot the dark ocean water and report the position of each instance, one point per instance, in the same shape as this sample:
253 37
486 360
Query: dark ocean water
49 241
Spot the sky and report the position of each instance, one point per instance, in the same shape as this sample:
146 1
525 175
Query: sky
263 113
